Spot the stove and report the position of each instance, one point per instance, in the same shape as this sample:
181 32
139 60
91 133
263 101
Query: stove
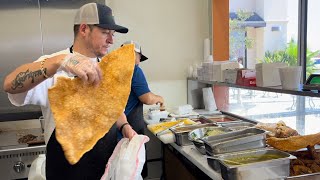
16 156
15 161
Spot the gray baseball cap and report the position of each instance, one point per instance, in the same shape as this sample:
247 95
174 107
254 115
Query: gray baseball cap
137 48
99 15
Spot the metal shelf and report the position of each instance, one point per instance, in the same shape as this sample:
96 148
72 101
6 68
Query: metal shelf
276 89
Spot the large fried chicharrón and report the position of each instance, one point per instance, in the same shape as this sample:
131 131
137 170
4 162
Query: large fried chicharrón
83 114
294 143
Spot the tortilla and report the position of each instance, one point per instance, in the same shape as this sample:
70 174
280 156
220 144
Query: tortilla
83 113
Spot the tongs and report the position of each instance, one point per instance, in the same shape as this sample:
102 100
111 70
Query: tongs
168 129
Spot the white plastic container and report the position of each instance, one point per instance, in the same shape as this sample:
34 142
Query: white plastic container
155 115
290 77
267 74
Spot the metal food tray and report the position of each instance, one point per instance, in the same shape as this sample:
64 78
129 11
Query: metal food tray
269 169
250 138
201 119
236 126
313 176
218 118
181 133
196 135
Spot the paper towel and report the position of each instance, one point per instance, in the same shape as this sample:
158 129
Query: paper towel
206 49
208 99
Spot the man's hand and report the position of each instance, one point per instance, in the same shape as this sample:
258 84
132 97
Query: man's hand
128 132
82 67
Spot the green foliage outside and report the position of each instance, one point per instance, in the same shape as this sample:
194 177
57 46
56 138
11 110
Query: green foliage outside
290 56
237 41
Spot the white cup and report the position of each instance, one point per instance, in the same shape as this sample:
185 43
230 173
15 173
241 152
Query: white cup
290 77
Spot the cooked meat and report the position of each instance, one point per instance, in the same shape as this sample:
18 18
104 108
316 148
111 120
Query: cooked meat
27 138
298 169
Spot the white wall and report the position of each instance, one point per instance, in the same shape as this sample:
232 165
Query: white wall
248 5
275 10
171 34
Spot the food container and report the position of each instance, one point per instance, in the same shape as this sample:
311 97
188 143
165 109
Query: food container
307 160
201 120
252 165
313 176
181 133
196 135
220 118
250 138
236 126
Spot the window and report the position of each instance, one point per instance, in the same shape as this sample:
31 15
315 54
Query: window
270 33
313 43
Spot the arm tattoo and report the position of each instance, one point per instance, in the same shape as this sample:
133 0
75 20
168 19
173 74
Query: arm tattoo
23 76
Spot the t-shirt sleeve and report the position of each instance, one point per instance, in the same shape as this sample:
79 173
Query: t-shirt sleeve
139 82
36 96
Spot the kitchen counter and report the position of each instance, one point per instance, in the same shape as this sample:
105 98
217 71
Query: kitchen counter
192 154
199 160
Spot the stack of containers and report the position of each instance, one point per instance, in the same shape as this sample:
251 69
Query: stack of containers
219 67
213 71
267 74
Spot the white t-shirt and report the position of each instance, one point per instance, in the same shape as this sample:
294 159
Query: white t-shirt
39 96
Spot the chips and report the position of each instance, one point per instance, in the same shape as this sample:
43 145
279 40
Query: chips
83 113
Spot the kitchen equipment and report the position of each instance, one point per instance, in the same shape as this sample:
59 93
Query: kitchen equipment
15 161
235 126
181 133
17 151
195 136
275 166
201 120
312 83
220 118
250 138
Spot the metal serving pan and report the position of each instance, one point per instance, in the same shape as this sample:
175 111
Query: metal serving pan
201 120
181 133
236 126
220 118
275 166
313 176
196 135
250 138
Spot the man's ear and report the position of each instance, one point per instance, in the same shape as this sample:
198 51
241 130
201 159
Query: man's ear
83 28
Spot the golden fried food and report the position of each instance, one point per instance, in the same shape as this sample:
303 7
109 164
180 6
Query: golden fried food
279 130
294 143
83 113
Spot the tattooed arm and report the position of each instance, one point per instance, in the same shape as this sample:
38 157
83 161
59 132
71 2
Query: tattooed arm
29 75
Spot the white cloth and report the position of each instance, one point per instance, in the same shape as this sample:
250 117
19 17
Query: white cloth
39 96
127 159
38 168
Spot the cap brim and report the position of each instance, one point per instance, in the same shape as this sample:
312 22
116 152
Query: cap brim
143 58
117 28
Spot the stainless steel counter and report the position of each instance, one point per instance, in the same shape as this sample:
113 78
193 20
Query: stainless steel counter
193 155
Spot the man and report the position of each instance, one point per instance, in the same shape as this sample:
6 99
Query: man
94 27
140 94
